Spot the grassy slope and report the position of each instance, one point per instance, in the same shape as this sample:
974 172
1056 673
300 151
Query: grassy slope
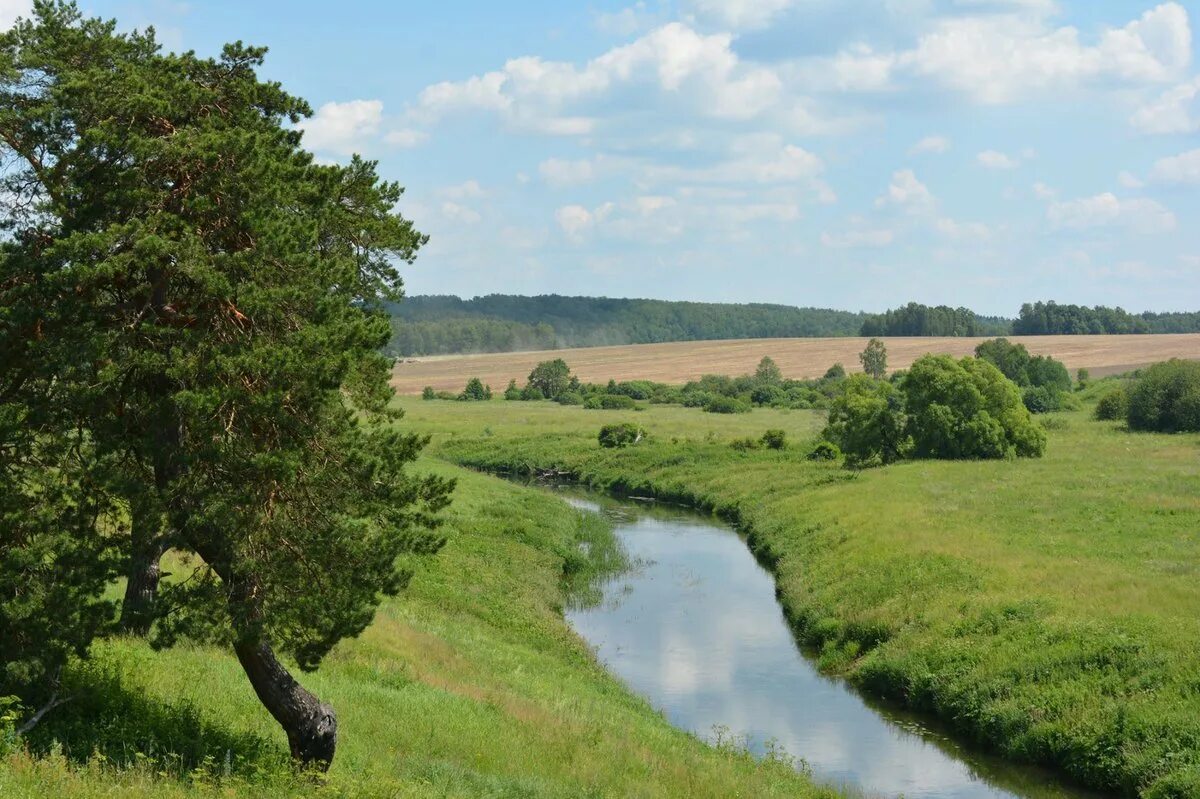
1048 608
470 685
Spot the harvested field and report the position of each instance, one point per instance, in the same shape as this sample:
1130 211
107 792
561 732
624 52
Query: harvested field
798 358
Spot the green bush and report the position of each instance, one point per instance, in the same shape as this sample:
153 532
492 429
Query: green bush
774 439
512 393
825 451
445 395
615 436
570 398
767 395
835 372
744 444
1113 406
476 391
866 422
723 404
1041 399
428 393
967 409
592 403
610 402
695 399
532 394
1166 398
1082 379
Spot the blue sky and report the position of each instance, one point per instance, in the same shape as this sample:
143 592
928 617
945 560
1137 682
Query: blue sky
810 152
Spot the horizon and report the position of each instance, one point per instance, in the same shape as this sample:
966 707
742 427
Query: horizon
816 153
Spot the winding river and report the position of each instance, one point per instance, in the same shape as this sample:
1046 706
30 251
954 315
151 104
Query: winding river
695 628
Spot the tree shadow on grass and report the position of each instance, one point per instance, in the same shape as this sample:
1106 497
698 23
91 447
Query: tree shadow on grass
106 716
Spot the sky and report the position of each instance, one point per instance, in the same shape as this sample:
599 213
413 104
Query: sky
854 154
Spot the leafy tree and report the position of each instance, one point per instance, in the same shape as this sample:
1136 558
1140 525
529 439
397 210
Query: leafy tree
835 372
874 359
212 298
1082 378
1011 359
1113 406
1166 398
476 391
512 392
768 372
967 409
551 378
867 422
428 393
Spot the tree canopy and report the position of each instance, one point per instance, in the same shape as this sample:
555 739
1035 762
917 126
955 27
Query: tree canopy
201 303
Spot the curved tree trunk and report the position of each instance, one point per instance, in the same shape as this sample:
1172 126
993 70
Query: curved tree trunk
310 724
143 572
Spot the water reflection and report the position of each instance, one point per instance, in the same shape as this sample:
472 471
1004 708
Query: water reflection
695 628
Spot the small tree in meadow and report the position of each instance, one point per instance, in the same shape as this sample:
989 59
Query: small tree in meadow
768 372
835 372
512 392
874 359
551 378
428 393
476 391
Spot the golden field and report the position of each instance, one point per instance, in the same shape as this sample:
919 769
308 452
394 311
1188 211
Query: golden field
679 362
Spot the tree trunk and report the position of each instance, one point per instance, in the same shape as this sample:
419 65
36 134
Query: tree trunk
310 724
142 573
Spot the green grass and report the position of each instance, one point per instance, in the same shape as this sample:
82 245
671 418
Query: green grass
470 685
1048 608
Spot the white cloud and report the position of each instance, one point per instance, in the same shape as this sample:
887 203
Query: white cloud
857 239
406 137
1044 192
1128 180
999 58
1141 215
561 172
739 14
906 191
456 212
11 9
994 159
930 144
342 128
468 190
625 22
1174 111
963 231
575 220
755 158
1182 168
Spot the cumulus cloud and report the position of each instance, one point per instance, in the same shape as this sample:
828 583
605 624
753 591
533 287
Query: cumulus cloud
962 231
1128 180
456 212
1141 215
994 159
905 191
1174 111
1044 192
1182 168
343 128
739 14
467 190
930 144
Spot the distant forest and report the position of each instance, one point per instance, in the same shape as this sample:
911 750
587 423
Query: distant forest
438 325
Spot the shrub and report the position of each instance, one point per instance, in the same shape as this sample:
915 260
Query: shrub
610 402
767 395
825 451
570 398
967 409
722 404
1166 398
1040 399
695 398
476 391
1082 378
615 436
866 421
835 372
592 403
1113 406
445 395
774 439
743 444
532 393
428 393
512 392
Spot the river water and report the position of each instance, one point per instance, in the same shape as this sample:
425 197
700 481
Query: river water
695 628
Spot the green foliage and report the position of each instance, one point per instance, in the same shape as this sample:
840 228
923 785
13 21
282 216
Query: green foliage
874 359
1045 381
610 402
825 451
1113 406
967 409
768 395
1082 379
570 398
550 378
775 439
745 444
532 394
835 372
867 422
1166 398
723 404
476 391
428 393
768 372
615 436
512 392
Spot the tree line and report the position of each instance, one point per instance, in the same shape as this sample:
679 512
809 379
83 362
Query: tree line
437 325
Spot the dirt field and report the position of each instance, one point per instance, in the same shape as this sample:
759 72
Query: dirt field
797 357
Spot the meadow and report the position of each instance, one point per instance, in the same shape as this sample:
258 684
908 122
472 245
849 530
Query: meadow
468 685
1045 608
799 358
